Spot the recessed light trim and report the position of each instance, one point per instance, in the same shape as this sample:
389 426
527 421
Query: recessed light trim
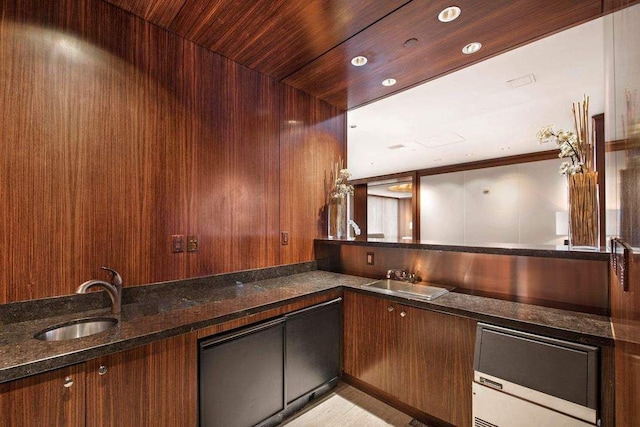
389 82
471 48
449 14
359 61
411 42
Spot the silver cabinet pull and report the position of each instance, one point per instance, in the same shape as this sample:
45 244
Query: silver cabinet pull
403 313
102 370
390 309
68 382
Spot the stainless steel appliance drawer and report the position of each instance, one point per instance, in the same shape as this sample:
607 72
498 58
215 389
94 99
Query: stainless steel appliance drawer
556 374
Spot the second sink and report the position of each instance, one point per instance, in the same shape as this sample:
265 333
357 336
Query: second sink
76 329
416 290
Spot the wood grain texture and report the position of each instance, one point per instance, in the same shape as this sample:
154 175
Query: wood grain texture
421 358
159 12
370 341
437 352
152 385
312 138
43 400
275 37
499 26
118 134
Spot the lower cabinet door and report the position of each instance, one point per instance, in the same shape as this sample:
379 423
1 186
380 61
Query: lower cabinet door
54 399
242 377
313 349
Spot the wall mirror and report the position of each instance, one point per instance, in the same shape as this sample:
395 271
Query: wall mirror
390 209
490 110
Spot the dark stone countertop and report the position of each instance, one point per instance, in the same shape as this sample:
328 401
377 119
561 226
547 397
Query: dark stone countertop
155 312
570 325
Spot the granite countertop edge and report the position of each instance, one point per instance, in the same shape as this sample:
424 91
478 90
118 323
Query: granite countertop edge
23 356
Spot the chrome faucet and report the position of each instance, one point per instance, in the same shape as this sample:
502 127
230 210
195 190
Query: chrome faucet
401 275
114 289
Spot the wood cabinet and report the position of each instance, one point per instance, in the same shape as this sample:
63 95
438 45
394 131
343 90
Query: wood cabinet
53 399
422 358
155 384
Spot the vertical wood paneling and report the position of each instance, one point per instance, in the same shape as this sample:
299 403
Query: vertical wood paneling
312 138
152 385
117 134
623 84
44 400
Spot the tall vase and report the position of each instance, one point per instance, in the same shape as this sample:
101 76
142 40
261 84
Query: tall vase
337 217
584 223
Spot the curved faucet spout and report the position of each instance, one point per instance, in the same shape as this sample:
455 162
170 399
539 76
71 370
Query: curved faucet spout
114 289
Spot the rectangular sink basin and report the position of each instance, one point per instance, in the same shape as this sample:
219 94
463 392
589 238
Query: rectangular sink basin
415 290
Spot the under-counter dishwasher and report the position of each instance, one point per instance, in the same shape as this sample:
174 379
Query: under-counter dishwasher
523 379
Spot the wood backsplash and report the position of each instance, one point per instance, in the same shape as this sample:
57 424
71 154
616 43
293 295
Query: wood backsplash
116 134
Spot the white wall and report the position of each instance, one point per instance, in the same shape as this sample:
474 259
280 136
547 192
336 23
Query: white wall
506 204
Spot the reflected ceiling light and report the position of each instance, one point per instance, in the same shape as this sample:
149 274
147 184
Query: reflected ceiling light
411 42
389 82
401 188
449 14
359 61
471 48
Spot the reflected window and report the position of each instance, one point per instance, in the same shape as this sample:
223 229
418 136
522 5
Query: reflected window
389 209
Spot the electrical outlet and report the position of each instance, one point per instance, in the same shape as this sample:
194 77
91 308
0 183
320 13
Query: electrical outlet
284 237
370 258
192 244
177 243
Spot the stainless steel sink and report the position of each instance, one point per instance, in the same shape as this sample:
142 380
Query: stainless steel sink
416 290
77 329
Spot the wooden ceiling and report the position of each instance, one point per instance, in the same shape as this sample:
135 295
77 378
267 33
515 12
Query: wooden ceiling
308 44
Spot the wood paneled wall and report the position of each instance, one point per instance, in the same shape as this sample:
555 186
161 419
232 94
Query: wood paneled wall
117 134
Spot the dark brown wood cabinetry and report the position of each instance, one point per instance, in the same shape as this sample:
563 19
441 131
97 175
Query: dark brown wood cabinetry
422 358
154 385
53 399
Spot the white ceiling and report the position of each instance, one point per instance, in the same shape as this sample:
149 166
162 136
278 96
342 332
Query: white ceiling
473 114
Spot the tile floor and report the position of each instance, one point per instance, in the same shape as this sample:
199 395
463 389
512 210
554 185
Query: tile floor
346 406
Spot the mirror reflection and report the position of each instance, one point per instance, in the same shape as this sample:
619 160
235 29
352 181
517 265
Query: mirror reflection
389 209
490 110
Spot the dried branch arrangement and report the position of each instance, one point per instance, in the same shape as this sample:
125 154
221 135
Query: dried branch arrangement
583 187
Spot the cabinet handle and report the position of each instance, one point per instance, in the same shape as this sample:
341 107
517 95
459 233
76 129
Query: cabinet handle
102 370
68 382
403 313
390 309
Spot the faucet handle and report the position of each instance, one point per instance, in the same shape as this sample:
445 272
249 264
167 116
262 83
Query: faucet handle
116 279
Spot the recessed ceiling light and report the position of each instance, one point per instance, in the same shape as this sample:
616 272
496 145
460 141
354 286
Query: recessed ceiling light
449 14
471 48
389 82
359 61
